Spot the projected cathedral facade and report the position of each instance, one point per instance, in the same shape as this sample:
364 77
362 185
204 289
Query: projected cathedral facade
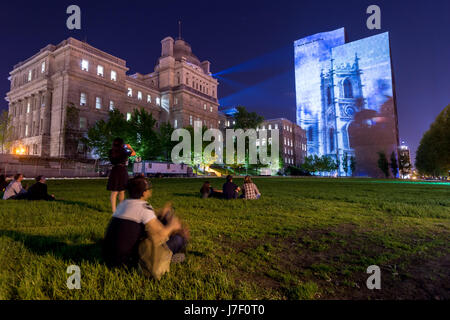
345 99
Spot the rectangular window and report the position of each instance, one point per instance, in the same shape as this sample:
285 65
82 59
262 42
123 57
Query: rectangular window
158 101
30 74
128 116
42 125
139 95
28 107
26 130
130 92
82 99
149 98
113 75
43 67
98 102
204 106
42 101
210 109
111 105
270 127
276 125
100 70
82 123
175 101
190 120
175 123
84 65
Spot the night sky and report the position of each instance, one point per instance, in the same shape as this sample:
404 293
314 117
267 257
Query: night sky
249 43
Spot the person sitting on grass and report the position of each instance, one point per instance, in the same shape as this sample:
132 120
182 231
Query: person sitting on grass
14 190
38 191
3 182
208 192
229 189
136 237
249 189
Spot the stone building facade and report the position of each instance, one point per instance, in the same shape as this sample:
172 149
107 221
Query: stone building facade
64 89
292 138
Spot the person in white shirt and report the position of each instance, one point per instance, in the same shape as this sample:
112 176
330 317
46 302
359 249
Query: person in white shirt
135 220
14 190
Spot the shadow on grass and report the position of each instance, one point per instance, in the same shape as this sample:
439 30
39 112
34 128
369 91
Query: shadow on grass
189 195
81 204
52 245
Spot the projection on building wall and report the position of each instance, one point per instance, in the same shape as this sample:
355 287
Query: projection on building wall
345 99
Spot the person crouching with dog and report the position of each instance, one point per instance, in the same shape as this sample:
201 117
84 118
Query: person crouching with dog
138 236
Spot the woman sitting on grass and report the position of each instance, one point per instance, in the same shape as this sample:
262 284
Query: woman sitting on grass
208 192
249 189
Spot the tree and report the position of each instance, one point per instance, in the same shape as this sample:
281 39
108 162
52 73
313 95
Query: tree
141 135
394 166
101 135
165 142
404 164
383 164
6 131
345 163
433 153
352 165
247 120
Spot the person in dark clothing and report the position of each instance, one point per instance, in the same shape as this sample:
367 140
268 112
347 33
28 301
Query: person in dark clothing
3 182
118 177
135 220
207 191
229 189
38 191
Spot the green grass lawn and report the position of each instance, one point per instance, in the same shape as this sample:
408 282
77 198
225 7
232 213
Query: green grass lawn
306 238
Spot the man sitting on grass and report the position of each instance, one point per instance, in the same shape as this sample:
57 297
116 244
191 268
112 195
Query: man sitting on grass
38 191
136 236
229 189
14 190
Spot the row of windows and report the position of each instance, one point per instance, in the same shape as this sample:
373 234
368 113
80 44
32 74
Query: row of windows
27 107
289 160
139 96
27 131
100 70
30 75
196 84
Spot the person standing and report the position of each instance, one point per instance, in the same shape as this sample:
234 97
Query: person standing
118 177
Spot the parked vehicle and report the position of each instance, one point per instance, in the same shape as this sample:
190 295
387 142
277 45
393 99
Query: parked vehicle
162 169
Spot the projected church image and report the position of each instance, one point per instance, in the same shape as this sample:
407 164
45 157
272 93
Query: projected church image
345 99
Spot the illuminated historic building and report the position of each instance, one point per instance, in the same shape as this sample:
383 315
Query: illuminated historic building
346 99
64 89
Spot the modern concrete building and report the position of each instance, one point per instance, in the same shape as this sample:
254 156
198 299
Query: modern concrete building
64 89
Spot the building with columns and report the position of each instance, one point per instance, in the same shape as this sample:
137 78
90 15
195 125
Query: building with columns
64 89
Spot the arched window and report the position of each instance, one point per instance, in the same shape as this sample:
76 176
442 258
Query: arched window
331 137
329 95
310 134
348 90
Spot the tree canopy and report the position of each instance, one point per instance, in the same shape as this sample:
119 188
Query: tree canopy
433 154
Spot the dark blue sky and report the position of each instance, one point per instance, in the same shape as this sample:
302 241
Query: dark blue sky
250 43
